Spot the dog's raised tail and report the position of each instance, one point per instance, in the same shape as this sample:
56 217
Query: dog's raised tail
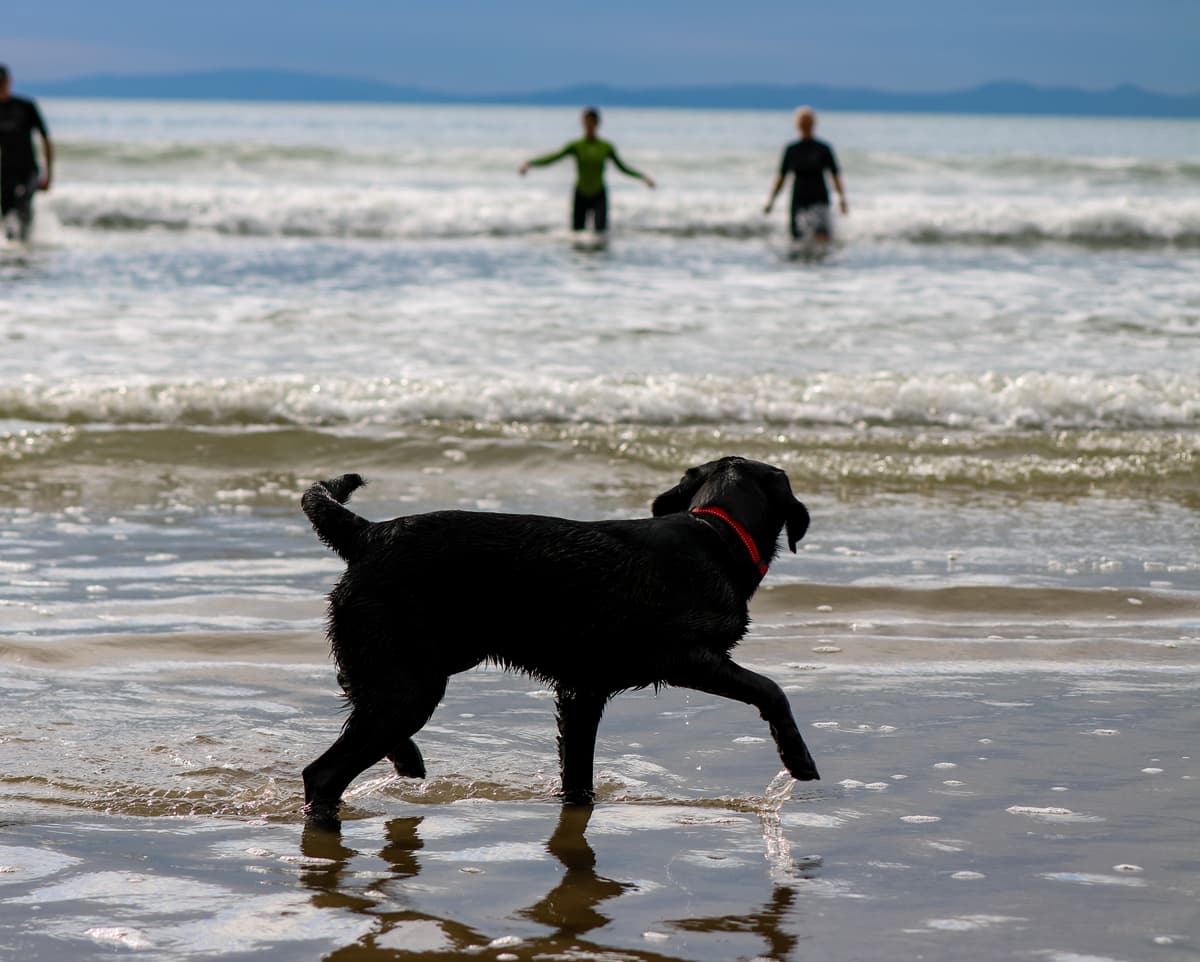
336 525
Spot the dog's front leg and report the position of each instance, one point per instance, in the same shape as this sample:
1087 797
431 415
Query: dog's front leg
578 719
724 677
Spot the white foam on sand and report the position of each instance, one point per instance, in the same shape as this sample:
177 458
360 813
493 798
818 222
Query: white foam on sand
970 923
1093 878
1051 813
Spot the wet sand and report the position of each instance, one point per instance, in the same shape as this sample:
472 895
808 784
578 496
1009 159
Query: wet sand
982 797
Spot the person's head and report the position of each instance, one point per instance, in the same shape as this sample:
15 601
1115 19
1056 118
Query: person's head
5 82
591 120
806 121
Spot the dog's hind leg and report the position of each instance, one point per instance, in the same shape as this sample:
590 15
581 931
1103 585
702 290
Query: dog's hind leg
382 728
724 677
361 745
408 718
578 719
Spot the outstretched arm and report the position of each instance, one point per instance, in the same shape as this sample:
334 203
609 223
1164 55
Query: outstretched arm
546 159
625 169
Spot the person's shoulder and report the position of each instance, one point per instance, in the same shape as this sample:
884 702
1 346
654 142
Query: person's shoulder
30 107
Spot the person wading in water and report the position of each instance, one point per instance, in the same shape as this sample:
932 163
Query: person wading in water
591 154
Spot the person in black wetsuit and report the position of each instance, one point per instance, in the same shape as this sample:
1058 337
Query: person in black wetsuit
20 177
807 160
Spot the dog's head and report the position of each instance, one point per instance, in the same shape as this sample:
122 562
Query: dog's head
759 495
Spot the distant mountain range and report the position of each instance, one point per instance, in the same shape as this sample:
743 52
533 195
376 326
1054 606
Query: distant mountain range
1008 97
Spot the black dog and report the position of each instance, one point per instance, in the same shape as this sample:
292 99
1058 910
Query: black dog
590 608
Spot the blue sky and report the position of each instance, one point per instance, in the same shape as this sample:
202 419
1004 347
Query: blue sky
498 46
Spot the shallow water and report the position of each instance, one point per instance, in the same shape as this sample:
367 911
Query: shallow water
986 394
984 804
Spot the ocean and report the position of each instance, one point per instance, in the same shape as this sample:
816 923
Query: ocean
987 392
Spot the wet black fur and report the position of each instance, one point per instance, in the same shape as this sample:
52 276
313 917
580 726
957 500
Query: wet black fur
591 608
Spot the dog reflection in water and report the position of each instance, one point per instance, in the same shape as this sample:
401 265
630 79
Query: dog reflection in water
569 911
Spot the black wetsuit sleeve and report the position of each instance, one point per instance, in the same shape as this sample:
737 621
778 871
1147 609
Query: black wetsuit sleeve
785 162
36 121
831 161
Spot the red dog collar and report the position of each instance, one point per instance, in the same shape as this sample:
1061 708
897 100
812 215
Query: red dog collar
741 532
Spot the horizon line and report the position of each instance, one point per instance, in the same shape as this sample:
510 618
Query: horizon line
1062 87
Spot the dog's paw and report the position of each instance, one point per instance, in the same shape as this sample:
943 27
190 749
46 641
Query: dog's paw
794 753
578 796
407 761
800 764
323 815
804 773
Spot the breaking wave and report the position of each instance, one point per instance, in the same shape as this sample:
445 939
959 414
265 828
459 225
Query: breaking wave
986 402
416 213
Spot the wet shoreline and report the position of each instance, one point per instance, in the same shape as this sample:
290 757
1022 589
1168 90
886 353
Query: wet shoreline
964 811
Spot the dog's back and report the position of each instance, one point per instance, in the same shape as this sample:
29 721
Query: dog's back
574 601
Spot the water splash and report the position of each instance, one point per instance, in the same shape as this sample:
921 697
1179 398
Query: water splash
778 791
783 867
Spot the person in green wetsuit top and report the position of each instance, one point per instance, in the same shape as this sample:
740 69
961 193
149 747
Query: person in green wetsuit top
590 153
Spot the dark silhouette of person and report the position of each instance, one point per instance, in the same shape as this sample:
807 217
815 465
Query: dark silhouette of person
807 160
20 175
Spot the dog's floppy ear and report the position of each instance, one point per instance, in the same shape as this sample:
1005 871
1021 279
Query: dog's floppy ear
679 498
795 515
797 524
